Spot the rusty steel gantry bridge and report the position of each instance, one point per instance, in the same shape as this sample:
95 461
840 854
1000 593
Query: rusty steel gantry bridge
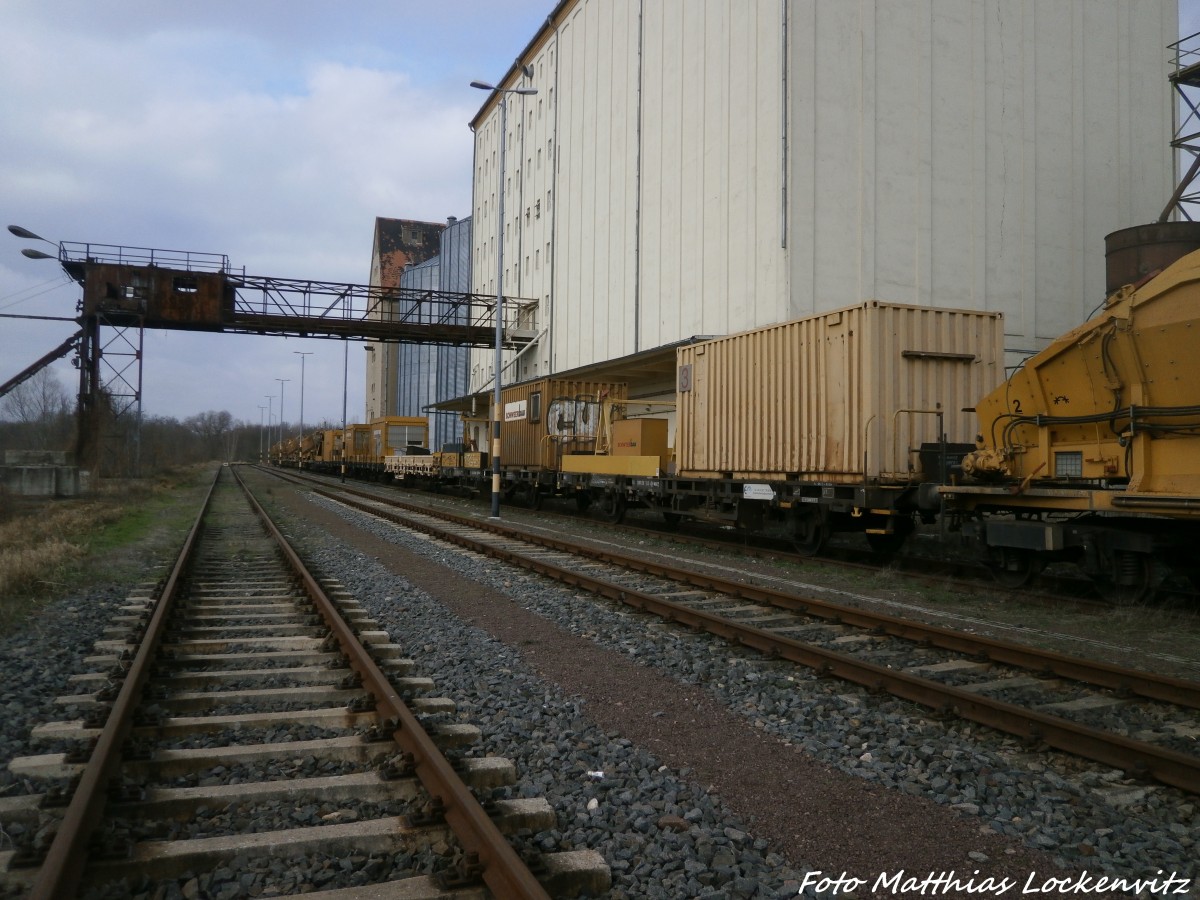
130 289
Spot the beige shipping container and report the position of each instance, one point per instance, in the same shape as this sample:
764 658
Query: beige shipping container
844 396
548 417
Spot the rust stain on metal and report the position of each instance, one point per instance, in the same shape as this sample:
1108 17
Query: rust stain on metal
402 243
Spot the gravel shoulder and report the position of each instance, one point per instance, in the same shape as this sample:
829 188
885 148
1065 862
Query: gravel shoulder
697 769
828 777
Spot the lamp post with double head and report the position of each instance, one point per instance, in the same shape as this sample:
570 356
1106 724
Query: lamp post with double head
497 408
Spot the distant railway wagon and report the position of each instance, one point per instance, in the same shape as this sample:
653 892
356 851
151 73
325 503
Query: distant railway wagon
370 445
828 423
544 422
864 420
329 447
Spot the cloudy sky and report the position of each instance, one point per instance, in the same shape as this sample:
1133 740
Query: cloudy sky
273 131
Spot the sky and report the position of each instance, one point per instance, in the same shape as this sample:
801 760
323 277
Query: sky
271 131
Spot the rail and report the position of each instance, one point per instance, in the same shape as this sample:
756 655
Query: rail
62 870
502 869
1167 766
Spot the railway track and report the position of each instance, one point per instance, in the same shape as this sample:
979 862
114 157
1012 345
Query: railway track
920 567
1142 723
243 720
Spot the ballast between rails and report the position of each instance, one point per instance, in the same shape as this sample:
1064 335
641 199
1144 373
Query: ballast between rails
1146 760
504 872
488 855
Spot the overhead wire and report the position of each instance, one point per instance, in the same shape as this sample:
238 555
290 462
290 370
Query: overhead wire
53 284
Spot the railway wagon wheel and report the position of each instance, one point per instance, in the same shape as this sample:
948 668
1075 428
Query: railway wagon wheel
1129 579
612 507
889 543
810 532
1013 567
583 500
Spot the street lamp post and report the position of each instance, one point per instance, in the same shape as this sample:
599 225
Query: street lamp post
270 421
261 411
300 438
367 348
282 382
27 235
345 383
497 409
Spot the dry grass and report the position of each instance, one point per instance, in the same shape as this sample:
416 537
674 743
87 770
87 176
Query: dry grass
49 549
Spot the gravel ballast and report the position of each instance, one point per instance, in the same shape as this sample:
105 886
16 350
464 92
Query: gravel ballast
696 769
815 773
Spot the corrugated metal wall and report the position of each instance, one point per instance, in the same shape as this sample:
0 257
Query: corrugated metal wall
817 397
430 373
526 443
714 165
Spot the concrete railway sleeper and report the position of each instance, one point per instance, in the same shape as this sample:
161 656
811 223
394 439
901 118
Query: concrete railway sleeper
1140 722
242 716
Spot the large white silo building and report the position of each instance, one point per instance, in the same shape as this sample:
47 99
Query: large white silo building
708 166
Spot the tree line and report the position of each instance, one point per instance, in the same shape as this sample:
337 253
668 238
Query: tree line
39 414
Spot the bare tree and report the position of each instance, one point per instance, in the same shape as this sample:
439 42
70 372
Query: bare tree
210 428
42 406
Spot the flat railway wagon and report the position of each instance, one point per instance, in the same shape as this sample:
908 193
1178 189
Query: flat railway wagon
370 445
843 421
546 421
327 450
1090 452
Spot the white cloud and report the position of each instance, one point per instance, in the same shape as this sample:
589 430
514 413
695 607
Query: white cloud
272 131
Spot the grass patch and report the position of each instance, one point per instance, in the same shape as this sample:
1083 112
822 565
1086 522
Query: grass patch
50 550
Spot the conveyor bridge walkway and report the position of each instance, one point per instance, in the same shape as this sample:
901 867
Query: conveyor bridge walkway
203 292
129 289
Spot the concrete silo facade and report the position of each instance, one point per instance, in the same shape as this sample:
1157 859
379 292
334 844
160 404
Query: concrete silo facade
427 373
710 167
